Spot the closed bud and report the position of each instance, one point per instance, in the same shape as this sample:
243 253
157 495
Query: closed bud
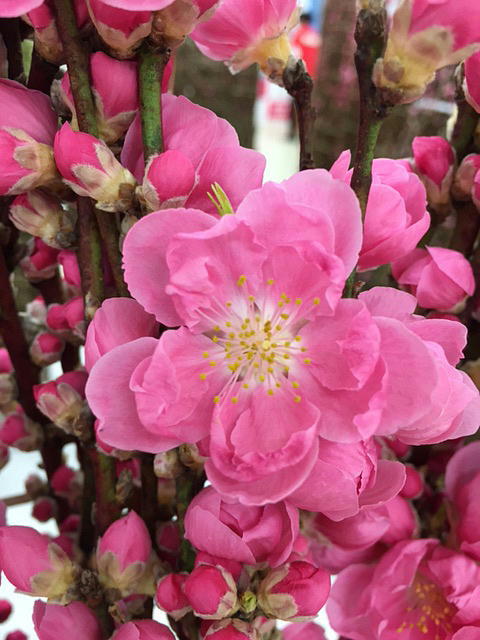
66 483
75 621
414 483
17 430
44 508
434 163
71 272
8 388
26 163
190 457
63 400
42 215
16 635
471 85
46 349
295 591
46 38
465 176
68 319
90 169
35 486
5 610
143 630
231 629
34 564
168 181
170 596
40 263
166 465
124 556
211 592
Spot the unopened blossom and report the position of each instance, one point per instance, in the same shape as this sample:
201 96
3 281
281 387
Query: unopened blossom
143 630
434 161
90 169
418 588
41 261
170 596
200 149
7 378
465 177
414 483
62 400
65 482
17 430
471 82
439 278
75 621
295 591
34 564
46 349
425 36
247 534
5 610
42 215
68 260
255 31
231 629
67 319
211 592
27 128
44 508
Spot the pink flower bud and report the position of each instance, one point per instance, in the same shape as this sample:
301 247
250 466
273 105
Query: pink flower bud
8 388
17 430
41 263
434 162
35 486
122 30
76 621
71 524
465 176
476 190
5 610
296 591
170 596
439 278
5 362
16 635
143 630
471 84
35 565
166 465
42 215
67 318
90 169
123 554
231 629
44 508
46 349
414 485
115 91
403 521
211 592
46 38
65 482
303 631
168 181
62 400
36 311
4 455
71 271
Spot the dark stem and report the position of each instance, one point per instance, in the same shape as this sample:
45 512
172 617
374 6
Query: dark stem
466 229
107 509
70 357
149 506
110 239
41 73
465 121
151 66
90 257
299 85
87 528
50 290
188 484
10 31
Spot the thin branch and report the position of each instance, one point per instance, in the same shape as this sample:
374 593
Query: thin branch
299 85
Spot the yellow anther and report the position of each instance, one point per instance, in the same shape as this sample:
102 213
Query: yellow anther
216 399
205 354
216 328
285 316
215 339
212 363
286 356
278 327
251 298
241 281
297 398
298 338
270 281
316 301
298 301
228 304
278 385
228 324
261 378
234 400
245 385
307 361
287 343
202 376
280 303
270 369
266 345
295 385
270 392
303 349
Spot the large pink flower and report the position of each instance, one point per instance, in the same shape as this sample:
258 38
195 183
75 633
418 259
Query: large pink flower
418 589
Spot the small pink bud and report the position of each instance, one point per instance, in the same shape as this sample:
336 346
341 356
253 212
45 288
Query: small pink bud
414 485
40 263
211 592
143 630
5 362
476 190
17 430
465 176
5 610
170 597
62 400
168 542
90 169
46 38
166 465
4 455
169 180
67 318
71 271
71 524
296 591
123 554
471 84
231 629
35 565
42 215
75 621
35 486
44 508
36 312
46 349
434 162
16 635
65 482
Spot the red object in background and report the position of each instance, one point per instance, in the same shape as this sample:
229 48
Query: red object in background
306 44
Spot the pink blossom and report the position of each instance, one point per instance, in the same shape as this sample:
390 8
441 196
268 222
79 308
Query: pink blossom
118 321
231 629
75 621
471 82
62 400
41 262
143 630
200 149
434 160
17 430
46 349
42 215
417 585
90 169
295 591
439 278
5 610
170 596
303 631
211 592
247 534
14 8
396 216
253 31
33 564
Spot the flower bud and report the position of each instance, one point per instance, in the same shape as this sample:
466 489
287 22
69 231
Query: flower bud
35 486
90 169
17 430
44 508
41 262
168 181
75 621
296 591
46 39
303 631
42 215
68 318
16 635
414 484
5 610
166 465
471 85
36 312
71 271
211 592
434 162
231 629
123 556
143 630
71 524
66 483
7 379
46 349
465 176
170 597
34 564
62 400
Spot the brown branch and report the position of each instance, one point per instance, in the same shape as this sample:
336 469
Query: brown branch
10 31
299 85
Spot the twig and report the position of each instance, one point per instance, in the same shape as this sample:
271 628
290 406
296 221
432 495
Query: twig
10 30
111 242
89 257
465 121
299 85
107 509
